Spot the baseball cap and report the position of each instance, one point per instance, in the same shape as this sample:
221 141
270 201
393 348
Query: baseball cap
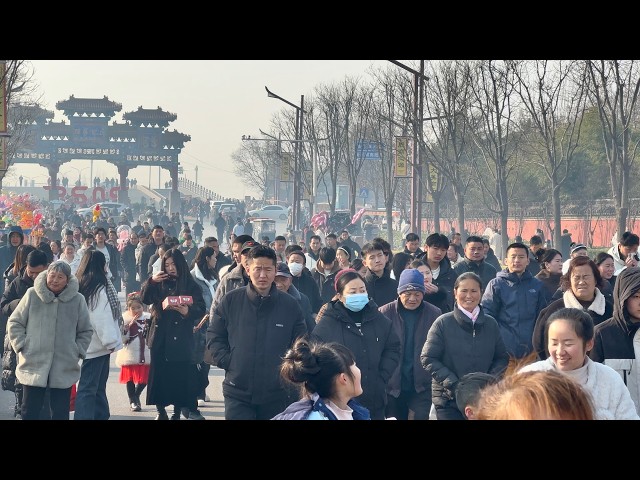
282 269
249 244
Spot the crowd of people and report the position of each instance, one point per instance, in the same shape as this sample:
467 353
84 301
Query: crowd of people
323 328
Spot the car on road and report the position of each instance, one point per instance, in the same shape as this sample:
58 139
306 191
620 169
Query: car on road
274 212
112 207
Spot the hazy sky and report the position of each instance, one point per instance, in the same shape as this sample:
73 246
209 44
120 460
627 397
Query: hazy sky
216 102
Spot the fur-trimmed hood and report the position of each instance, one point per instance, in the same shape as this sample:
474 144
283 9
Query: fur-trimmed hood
47 296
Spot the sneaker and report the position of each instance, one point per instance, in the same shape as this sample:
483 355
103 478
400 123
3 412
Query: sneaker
201 402
196 415
135 407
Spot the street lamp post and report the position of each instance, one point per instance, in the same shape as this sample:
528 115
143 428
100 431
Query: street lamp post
298 150
416 176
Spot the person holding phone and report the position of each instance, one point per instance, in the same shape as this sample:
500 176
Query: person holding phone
170 336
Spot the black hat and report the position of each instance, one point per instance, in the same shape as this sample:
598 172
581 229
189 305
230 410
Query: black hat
248 245
282 269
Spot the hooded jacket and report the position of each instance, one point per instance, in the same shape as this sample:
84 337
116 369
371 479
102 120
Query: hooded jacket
617 341
50 334
515 301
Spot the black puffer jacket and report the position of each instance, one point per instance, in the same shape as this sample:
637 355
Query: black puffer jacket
375 345
9 301
456 346
248 336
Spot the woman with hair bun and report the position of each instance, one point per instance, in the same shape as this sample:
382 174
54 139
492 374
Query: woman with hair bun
328 378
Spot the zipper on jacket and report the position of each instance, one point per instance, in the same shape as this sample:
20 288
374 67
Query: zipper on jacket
474 330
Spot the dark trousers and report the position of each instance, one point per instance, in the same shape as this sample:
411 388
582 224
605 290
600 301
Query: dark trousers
91 399
202 379
409 405
33 401
235 409
134 391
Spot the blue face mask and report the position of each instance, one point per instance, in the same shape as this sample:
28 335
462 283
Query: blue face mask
356 301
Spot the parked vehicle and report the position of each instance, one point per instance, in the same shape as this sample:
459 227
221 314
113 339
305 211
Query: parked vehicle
112 208
274 212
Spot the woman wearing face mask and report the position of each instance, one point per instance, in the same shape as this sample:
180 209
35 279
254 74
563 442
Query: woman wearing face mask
355 322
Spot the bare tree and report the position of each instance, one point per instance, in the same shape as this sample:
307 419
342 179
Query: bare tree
553 95
326 122
447 97
23 102
390 113
492 84
614 90
253 163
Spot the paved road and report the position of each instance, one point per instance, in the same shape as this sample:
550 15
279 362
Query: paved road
117 393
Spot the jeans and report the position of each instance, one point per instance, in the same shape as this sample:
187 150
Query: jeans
91 399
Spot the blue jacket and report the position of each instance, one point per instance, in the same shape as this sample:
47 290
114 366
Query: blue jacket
314 408
515 302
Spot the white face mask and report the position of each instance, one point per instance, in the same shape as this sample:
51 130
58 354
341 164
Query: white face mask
295 268
327 272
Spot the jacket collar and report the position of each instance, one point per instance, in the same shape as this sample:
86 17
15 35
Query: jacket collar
254 297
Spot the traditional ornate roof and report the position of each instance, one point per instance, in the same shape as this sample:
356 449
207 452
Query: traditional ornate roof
122 131
174 140
29 114
57 130
87 106
149 117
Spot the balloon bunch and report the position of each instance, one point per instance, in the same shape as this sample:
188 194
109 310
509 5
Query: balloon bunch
96 213
24 210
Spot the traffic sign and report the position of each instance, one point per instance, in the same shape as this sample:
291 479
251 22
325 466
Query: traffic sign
364 193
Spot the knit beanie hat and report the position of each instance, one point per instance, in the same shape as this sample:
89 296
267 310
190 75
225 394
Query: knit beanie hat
339 274
411 279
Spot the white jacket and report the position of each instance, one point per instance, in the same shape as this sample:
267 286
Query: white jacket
106 332
611 396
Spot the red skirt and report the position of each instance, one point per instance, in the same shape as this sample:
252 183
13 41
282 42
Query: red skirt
134 373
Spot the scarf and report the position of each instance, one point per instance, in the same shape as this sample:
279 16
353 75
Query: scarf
598 304
210 283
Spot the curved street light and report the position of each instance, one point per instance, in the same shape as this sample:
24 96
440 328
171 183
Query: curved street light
296 170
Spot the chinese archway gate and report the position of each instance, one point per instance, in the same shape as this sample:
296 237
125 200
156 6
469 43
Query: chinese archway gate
142 139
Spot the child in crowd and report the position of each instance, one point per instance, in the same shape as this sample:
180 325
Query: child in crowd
133 359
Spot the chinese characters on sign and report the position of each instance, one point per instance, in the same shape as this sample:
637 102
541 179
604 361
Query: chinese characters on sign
402 158
285 167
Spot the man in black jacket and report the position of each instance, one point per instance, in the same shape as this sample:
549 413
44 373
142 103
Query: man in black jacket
258 323
474 261
157 235
381 288
440 291
301 276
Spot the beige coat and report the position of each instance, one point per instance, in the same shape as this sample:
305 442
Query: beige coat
50 335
